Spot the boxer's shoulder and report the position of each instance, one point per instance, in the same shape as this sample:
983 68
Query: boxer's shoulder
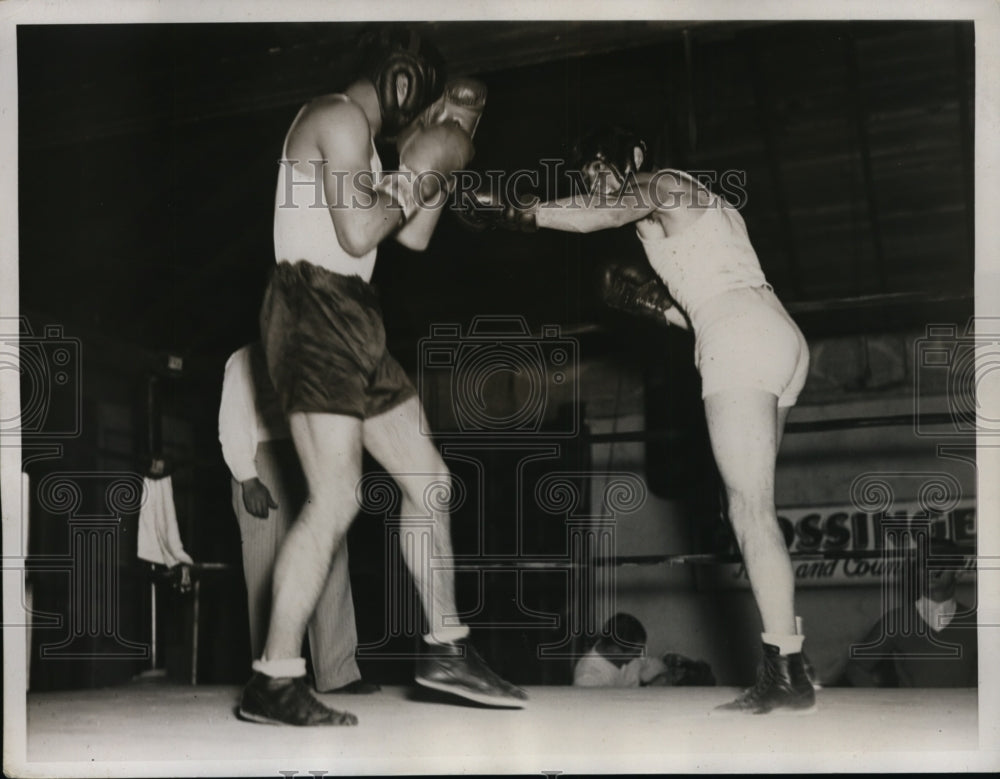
675 185
328 124
332 112
680 200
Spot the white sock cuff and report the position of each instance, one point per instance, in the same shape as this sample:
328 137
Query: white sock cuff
787 645
447 635
286 667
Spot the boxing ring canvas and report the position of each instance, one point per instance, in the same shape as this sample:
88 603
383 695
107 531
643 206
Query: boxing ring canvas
564 729
138 247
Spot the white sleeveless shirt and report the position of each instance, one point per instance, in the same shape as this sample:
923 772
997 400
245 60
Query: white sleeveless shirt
710 256
303 225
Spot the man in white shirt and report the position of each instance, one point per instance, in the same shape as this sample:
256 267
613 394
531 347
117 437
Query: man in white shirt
618 658
930 642
268 489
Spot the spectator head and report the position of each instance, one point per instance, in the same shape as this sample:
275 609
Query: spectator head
622 639
933 573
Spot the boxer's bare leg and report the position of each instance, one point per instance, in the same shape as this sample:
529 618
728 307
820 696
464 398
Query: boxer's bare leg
742 426
329 448
745 427
396 440
783 412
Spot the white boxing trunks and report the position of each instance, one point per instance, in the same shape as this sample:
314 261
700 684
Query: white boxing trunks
744 338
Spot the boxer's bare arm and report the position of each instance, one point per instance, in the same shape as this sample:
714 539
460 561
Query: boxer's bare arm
362 216
675 200
590 213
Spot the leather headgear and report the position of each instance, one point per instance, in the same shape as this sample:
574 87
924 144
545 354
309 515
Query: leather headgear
390 53
618 147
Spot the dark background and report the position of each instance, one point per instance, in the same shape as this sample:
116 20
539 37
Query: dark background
147 160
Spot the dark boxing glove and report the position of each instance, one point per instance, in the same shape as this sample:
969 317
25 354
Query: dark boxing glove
635 288
684 672
482 210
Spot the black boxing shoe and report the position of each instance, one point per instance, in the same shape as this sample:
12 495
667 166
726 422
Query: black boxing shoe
810 672
782 683
287 701
459 670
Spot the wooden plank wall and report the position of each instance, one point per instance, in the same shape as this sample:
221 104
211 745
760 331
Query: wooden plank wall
856 141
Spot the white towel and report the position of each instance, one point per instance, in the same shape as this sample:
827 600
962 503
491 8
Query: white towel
159 538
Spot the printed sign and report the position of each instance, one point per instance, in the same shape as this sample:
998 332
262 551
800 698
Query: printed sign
841 545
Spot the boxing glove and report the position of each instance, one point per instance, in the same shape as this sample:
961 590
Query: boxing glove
429 159
462 102
634 288
482 210
684 672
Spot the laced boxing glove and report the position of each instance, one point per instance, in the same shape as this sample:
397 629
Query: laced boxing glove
483 210
462 102
427 162
634 288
